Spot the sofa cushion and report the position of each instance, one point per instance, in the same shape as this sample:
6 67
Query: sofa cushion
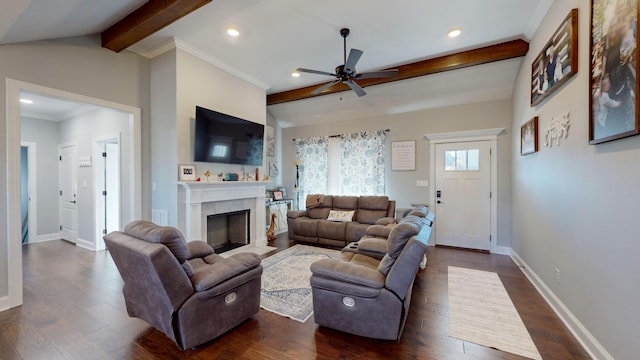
373 203
331 229
366 216
345 202
355 231
318 213
341 215
169 236
305 227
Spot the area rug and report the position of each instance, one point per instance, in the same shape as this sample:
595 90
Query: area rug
481 312
285 281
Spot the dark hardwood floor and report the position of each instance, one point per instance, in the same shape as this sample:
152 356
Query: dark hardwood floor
74 309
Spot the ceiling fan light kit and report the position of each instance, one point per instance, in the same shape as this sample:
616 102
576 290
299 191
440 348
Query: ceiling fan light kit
346 73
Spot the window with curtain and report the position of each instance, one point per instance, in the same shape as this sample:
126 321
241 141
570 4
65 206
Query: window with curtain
313 172
349 164
363 163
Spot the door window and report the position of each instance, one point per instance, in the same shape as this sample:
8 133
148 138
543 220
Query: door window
462 160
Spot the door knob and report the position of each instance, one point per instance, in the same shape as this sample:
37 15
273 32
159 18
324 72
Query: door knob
439 202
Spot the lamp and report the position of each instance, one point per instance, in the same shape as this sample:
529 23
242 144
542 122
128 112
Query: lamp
296 187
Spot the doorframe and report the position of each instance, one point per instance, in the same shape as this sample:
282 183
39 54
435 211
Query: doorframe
13 251
461 137
32 189
98 198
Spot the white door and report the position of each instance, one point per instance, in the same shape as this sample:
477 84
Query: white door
463 194
68 193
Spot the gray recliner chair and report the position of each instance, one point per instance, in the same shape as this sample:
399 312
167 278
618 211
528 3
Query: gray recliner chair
183 289
369 297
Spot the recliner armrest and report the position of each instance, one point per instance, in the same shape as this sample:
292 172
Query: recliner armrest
206 277
292 214
346 272
386 221
373 245
379 231
198 249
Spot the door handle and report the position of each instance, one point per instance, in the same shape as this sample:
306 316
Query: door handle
73 201
439 202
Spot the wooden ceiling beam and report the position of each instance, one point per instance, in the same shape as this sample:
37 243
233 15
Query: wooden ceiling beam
504 51
146 20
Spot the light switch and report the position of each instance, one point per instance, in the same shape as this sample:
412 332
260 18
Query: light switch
422 183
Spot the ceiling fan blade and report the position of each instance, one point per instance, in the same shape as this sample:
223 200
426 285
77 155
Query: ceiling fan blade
352 60
377 74
355 87
315 72
324 87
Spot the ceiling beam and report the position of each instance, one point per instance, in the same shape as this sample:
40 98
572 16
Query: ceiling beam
504 51
146 20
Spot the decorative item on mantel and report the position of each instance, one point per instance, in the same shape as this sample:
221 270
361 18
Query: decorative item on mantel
207 174
556 129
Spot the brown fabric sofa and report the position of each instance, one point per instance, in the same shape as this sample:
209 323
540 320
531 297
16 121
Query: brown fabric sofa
183 289
311 225
367 296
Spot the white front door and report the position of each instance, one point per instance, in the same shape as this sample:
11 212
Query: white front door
68 193
463 194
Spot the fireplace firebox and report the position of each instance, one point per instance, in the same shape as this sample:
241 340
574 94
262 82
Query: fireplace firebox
228 231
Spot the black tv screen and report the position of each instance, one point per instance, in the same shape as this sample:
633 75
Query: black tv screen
222 138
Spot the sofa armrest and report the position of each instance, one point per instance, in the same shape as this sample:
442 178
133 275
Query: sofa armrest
292 214
386 221
206 277
373 245
378 231
198 249
346 272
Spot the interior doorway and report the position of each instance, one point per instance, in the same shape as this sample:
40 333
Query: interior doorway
28 181
107 193
132 207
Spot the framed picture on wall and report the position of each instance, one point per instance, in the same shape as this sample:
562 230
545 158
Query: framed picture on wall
529 137
403 155
187 173
270 140
557 62
277 195
614 67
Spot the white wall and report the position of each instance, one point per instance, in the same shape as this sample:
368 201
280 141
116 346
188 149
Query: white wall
80 66
82 130
45 134
401 185
575 206
180 81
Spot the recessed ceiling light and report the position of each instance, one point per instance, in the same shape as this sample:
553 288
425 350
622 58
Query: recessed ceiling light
455 32
295 74
233 32
26 101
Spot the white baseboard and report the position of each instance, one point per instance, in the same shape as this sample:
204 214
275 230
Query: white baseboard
588 341
501 250
86 244
45 237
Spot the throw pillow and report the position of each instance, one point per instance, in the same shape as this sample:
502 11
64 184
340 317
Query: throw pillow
341 216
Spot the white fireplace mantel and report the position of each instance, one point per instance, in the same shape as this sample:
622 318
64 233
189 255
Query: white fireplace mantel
196 197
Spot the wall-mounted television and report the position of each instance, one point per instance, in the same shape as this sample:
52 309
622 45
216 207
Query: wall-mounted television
222 138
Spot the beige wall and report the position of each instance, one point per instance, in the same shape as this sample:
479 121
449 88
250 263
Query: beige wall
575 206
401 185
81 66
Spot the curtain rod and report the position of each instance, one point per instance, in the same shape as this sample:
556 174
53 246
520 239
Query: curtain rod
335 136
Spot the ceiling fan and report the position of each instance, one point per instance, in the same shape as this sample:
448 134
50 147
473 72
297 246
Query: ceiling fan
346 73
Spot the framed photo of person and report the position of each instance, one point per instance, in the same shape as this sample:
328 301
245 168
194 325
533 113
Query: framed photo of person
614 67
187 173
529 137
277 195
557 62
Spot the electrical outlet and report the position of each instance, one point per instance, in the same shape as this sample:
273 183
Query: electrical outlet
557 276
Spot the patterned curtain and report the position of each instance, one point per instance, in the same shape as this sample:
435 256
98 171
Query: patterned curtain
313 172
363 159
